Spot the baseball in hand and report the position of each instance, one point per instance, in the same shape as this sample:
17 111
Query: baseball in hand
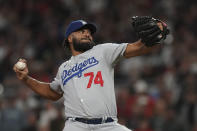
20 65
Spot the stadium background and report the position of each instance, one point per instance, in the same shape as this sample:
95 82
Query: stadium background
155 92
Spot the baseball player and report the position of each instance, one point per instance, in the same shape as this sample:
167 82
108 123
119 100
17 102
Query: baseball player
86 80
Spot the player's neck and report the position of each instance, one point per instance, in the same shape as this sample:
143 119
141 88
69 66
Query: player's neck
74 53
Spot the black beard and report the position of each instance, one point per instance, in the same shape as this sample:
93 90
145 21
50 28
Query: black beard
82 46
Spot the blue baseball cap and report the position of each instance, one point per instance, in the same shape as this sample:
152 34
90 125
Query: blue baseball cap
78 24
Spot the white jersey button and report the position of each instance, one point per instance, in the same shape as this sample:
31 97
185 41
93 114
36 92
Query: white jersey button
81 100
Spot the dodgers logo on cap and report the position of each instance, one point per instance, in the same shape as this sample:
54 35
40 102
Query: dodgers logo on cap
78 24
83 22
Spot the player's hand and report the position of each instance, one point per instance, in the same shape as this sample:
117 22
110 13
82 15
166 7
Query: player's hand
150 30
159 24
21 74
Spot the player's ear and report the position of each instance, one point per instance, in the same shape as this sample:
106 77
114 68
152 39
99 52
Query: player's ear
70 38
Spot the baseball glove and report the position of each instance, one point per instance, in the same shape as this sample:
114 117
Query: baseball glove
150 30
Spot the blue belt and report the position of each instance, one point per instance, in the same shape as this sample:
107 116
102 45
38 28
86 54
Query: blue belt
93 120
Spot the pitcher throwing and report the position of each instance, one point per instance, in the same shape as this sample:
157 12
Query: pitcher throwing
86 80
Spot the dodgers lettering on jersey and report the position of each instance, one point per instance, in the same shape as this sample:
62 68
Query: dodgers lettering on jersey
78 69
87 82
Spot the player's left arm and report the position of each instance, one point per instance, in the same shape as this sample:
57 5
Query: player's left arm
138 48
150 35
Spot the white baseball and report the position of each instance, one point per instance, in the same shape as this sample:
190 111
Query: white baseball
20 65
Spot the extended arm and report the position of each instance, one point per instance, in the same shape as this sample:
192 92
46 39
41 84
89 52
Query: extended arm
138 48
40 88
151 31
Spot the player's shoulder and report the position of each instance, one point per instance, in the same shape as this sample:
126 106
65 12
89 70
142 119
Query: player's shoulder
109 45
103 45
65 63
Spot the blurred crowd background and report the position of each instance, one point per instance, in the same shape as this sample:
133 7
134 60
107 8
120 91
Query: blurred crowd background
155 92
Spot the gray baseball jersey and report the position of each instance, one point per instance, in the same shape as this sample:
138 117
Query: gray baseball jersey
87 82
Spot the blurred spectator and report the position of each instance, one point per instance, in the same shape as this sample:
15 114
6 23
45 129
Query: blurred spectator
164 118
11 118
47 115
144 126
57 124
188 110
141 101
31 122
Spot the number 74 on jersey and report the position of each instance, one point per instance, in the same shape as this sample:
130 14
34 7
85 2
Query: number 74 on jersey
97 78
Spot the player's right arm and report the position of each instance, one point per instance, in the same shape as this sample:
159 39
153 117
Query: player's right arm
41 88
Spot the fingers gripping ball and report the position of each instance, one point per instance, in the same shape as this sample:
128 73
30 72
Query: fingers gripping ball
20 65
150 30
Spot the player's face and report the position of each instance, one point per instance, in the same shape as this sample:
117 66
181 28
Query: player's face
82 40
